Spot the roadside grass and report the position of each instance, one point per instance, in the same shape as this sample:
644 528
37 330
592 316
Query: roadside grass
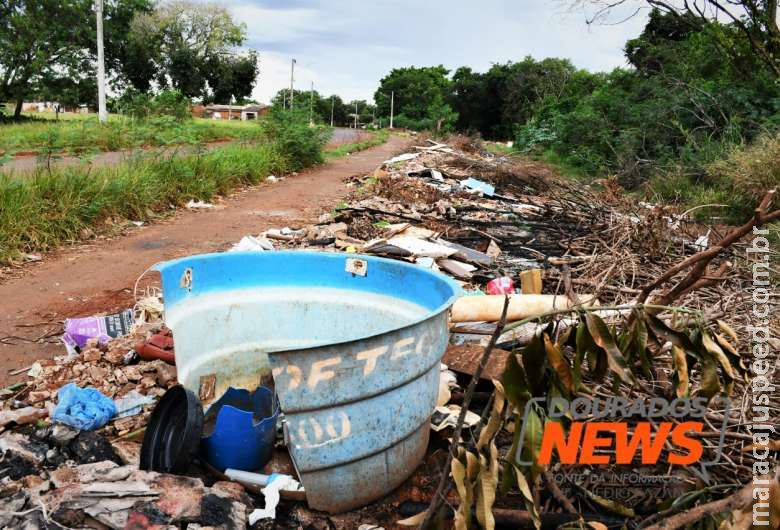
47 208
86 134
44 209
499 148
377 138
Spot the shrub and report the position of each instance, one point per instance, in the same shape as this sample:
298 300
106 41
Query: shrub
533 135
739 180
300 143
752 169
166 103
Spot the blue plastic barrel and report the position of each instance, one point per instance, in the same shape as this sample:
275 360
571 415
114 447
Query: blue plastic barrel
240 429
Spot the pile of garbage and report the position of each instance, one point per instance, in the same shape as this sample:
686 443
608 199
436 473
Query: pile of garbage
71 434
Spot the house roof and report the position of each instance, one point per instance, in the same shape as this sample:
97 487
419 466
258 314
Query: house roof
234 108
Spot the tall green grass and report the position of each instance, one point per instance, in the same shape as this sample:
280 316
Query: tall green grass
42 210
84 135
736 180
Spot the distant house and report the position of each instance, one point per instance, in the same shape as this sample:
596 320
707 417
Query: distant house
234 112
37 106
52 106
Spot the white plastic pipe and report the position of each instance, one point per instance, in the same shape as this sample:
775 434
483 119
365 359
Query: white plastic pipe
488 308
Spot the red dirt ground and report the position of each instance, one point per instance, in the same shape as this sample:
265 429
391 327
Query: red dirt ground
99 276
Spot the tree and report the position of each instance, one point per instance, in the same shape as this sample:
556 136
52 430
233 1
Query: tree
415 89
48 48
365 111
476 99
191 47
322 106
124 58
41 39
340 110
232 76
755 20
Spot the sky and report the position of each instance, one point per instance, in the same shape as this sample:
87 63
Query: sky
346 46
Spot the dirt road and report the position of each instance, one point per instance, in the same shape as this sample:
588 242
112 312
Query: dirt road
27 163
99 276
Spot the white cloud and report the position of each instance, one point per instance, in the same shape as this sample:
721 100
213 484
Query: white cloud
345 47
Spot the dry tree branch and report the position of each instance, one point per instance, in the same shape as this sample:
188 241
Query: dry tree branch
438 497
698 264
736 501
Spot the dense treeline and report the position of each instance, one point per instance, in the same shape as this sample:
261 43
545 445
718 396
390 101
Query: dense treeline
322 108
48 51
683 104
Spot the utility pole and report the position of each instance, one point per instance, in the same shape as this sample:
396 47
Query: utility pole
356 115
292 74
101 69
332 102
311 104
392 102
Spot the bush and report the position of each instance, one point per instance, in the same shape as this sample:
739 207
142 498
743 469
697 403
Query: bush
300 143
533 135
167 103
751 170
739 180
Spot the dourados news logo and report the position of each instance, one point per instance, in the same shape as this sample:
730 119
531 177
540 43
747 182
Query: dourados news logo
622 431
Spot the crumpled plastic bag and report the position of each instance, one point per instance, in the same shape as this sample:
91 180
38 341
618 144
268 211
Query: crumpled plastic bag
276 483
85 409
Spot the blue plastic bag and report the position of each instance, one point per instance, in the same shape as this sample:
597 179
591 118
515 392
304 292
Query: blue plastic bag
85 409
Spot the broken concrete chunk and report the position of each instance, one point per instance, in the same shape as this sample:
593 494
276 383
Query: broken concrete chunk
37 396
129 452
62 434
8 505
125 488
234 490
493 250
22 416
106 471
132 373
23 447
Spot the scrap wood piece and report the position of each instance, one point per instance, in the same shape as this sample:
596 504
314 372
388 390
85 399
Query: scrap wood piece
465 359
444 482
457 268
468 254
401 158
421 247
473 328
435 147
531 281
409 229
